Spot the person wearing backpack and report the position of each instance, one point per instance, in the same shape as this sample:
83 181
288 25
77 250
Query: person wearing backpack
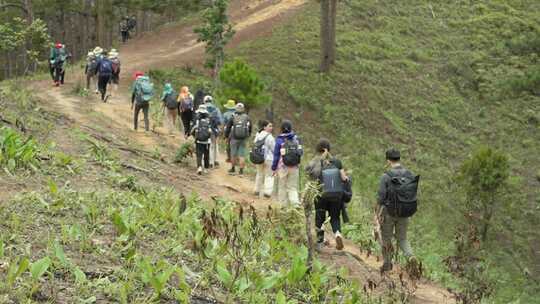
98 52
227 117
143 91
396 203
115 77
169 99
262 155
217 121
57 59
329 173
202 132
90 68
185 108
198 100
124 29
104 71
238 131
288 152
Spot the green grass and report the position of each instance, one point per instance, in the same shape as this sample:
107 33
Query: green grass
435 80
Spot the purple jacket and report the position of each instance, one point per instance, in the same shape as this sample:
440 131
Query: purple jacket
280 140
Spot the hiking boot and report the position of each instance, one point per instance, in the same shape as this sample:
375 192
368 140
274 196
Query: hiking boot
106 97
232 171
241 171
339 241
386 267
199 170
216 164
267 196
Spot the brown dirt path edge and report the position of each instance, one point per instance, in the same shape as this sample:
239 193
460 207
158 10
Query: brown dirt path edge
174 46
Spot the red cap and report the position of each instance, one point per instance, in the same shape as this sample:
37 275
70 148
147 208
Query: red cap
58 45
137 74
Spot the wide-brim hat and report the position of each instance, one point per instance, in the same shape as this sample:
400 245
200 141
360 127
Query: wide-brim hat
98 50
202 109
90 54
231 104
208 98
240 107
113 55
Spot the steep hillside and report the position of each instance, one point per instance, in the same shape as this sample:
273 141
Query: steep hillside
437 81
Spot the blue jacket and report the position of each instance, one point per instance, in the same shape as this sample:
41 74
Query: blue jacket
280 140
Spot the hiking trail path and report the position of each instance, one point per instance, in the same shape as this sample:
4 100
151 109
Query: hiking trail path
176 46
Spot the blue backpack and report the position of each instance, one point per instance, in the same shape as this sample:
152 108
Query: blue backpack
105 67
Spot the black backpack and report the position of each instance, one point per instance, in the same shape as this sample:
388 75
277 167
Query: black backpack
401 195
293 152
171 100
331 183
204 130
240 126
347 190
256 156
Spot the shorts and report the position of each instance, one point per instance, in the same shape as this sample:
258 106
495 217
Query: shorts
238 148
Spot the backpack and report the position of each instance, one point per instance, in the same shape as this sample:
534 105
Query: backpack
144 90
214 114
59 56
171 100
240 127
401 197
186 104
331 183
256 156
105 67
92 67
115 65
293 152
204 130
347 190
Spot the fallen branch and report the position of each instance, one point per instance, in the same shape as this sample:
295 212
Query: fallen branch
133 167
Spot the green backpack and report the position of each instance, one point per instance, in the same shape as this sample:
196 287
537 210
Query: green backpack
144 90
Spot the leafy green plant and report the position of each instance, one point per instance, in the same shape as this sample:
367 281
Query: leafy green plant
16 152
37 270
16 269
186 150
157 276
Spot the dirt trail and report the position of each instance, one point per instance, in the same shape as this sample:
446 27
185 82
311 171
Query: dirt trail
177 47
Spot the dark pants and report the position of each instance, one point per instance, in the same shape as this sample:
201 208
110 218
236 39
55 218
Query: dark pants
138 108
187 118
125 36
103 81
89 78
228 148
203 152
334 209
58 74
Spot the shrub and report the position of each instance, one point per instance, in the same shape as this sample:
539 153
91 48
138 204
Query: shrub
17 152
242 83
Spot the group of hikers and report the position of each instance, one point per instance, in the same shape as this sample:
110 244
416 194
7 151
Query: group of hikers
277 157
280 158
127 25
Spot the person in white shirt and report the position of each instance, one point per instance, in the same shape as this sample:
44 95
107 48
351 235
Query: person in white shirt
264 181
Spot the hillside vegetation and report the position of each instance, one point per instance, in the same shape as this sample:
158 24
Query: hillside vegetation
437 80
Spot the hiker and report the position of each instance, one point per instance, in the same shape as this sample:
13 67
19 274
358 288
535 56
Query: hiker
132 23
115 77
57 59
227 117
143 91
202 132
98 52
238 131
124 29
90 68
288 152
262 155
217 121
392 213
199 98
104 71
329 172
185 108
169 99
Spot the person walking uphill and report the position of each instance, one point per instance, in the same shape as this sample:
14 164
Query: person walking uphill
262 156
288 152
227 117
169 99
328 171
238 131
185 100
143 91
202 131
396 203
217 120
57 60
104 71
90 69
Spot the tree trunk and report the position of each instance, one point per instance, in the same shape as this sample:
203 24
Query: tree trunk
325 36
332 31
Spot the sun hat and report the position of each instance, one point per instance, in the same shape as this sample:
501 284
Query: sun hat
98 50
202 109
231 104
90 54
239 107
208 98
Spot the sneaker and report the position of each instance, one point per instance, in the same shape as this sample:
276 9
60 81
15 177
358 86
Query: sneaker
205 171
199 170
267 196
339 241
386 267
216 164
106 97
